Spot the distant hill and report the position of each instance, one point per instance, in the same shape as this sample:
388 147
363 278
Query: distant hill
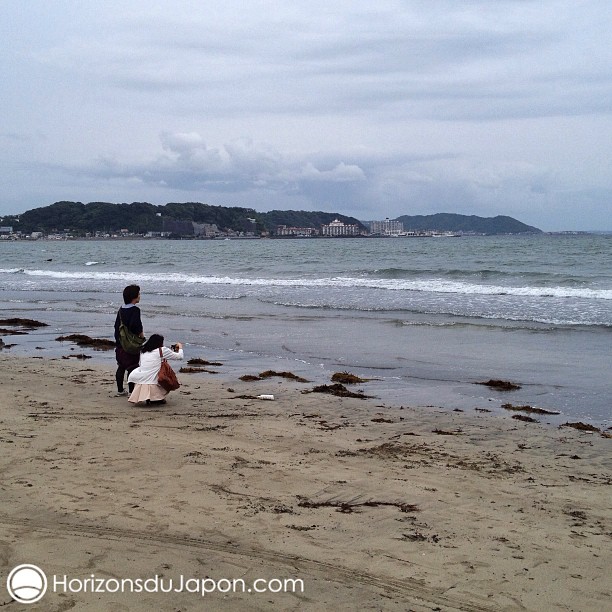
137 217
467 223
142 217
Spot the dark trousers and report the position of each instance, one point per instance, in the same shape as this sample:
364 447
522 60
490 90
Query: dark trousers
120 377
126 362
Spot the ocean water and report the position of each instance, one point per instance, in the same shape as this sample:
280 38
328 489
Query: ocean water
427 318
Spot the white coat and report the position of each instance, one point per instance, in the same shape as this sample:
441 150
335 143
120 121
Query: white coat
146 373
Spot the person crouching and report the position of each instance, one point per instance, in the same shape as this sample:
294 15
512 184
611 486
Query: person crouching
146 387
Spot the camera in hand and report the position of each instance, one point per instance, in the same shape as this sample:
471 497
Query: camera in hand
175 348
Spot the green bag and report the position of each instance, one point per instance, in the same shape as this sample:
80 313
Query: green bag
129 341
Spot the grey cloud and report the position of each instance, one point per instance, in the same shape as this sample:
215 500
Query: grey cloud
416 54
189 164
329 182
430 68
15 137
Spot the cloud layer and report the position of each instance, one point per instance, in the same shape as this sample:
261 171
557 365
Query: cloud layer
371 109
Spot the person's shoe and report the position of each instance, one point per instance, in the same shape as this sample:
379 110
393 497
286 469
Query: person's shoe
121 393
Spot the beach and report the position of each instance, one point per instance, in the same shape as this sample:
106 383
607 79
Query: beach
371 505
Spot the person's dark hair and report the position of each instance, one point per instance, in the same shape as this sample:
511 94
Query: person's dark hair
130 293
153 343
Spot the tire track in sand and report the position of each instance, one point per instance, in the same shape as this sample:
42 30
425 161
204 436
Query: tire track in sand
414 592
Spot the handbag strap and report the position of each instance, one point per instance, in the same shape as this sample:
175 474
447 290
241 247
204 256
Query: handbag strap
161 354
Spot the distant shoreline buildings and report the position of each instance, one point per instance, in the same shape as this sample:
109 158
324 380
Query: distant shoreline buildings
207 231
248 229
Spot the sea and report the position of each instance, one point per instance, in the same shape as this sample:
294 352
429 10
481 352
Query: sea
424 319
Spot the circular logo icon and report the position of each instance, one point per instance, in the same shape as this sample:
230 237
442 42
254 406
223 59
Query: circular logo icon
27 583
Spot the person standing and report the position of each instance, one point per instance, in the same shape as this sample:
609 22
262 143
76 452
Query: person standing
129 315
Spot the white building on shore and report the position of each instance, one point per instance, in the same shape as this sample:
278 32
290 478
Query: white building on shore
387 227
302 232
339 228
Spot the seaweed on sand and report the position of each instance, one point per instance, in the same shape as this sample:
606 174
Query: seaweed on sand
23 322
338 390
582 427
347 378
203 362
289 375
99 344
349 506
270 374
524 417
530 409
501 385
444 432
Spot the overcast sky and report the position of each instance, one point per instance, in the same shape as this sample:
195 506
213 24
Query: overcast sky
368 108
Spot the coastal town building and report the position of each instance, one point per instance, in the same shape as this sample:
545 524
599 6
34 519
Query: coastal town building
339 228
249 226
387 227
284 230
206 230
177 226
6 233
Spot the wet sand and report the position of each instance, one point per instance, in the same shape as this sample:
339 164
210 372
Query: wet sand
374 507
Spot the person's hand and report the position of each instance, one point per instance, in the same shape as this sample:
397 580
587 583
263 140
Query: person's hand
179 346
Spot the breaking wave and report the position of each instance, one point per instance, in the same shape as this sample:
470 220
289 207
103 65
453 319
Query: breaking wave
431 285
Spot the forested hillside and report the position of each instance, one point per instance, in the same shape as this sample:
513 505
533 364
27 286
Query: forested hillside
467 223
142 217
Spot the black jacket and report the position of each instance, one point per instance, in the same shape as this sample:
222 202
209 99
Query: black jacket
131 318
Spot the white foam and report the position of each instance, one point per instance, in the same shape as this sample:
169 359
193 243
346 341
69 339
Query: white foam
425 285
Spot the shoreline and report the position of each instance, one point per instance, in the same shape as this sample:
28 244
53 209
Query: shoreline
422 386
376 506
426 234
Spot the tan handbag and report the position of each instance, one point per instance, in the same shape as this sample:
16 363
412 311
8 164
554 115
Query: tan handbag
166 377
